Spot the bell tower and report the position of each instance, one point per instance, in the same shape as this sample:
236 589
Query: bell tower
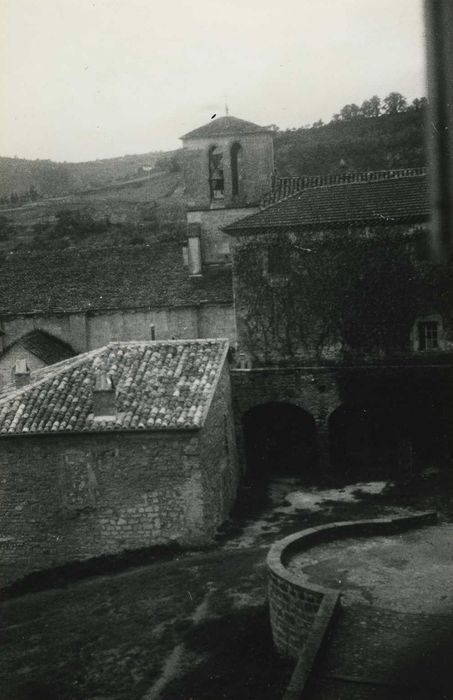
228 167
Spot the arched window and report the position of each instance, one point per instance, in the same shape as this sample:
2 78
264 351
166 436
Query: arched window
235 167
216 181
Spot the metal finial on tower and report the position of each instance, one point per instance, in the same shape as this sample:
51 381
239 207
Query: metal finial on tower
227 111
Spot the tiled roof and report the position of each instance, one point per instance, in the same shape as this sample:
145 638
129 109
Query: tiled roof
225 126
387 200
283 187
158 385
135 276
45 346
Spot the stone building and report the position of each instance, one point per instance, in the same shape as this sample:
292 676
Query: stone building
124 447
228 168
343 338
87 297
182 288
344 330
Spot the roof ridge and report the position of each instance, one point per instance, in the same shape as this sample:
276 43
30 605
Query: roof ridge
164 341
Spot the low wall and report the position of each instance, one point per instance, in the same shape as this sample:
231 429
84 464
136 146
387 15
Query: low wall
301 612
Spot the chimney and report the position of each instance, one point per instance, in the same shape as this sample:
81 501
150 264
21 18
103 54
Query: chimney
194 248
21 373
152 331
104 405
2 338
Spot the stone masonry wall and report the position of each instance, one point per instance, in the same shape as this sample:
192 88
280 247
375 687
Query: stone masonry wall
70 327
256 169
215 244
293 610
310 296
87 331
316 390
218 457
301 611
66 498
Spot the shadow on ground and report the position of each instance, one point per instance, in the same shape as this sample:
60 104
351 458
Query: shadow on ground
236 660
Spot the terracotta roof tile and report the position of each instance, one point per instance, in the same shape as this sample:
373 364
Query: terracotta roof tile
158 385
330 205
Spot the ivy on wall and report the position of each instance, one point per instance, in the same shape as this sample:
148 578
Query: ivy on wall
344 295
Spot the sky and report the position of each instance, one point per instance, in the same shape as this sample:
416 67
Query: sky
88 79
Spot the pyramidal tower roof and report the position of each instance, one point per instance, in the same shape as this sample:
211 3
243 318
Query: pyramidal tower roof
226 126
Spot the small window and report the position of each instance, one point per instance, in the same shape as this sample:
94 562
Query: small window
428 335
278 259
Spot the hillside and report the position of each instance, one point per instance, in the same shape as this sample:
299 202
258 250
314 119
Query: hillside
362 143
132 211
50 179
138 197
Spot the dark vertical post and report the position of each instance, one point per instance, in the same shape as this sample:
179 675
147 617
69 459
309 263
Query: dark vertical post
439 50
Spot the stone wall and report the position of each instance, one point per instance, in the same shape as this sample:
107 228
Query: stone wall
342 296
218 456
67 498
89 330
215 244
316 390
413 396
301 611
257 166
70 327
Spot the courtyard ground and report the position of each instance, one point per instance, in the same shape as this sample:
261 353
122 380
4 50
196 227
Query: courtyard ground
394 634
187 626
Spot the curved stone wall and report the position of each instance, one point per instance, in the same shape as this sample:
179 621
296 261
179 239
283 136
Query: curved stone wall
300 611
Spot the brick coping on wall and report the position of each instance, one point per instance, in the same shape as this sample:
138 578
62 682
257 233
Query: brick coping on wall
301 612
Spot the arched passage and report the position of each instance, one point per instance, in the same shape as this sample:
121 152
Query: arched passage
365 443
280 439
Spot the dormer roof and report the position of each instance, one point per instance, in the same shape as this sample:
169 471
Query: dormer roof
44 346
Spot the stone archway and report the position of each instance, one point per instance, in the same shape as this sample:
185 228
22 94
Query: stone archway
365 443
279 440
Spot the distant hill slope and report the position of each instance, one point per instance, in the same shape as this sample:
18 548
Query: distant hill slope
142 196
362 143
137 209
18 175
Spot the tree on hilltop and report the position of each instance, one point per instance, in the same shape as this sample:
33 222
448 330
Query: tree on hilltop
394 102
372 107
